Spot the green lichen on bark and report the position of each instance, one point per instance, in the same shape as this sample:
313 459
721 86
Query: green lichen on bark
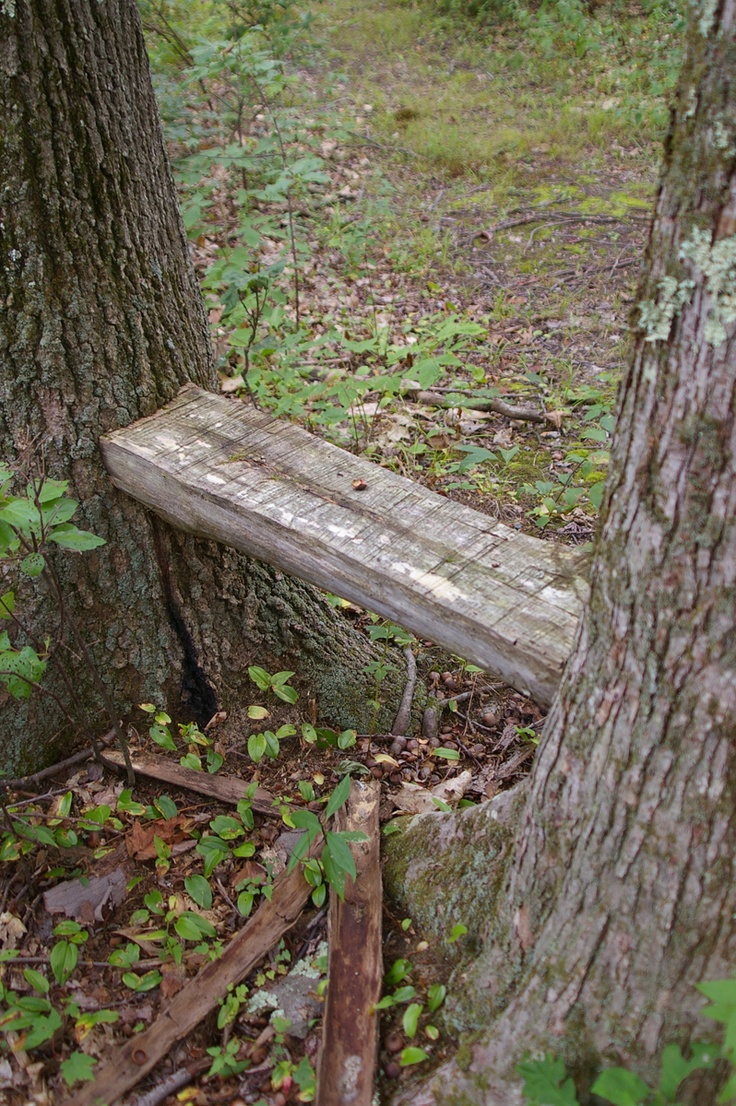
445 870
717 262
707 9
449 869
655 316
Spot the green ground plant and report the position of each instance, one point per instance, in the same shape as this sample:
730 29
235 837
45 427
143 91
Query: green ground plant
43 1008
416 1016
546 1082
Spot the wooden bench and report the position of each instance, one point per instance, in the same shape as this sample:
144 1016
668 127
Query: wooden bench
222 470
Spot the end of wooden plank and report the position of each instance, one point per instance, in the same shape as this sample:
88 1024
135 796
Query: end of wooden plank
347 1061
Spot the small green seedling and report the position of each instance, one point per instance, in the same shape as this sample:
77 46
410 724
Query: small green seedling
336 861
278 683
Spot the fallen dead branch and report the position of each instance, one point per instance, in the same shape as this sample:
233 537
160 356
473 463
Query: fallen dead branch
403 715
172 1083
228 789
140 1055
559 217
346 1067
525 414
22 782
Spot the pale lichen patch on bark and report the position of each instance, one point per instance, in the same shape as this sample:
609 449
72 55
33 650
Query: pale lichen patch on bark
655 316
723 135
707 18
717 262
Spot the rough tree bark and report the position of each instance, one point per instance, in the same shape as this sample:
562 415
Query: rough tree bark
102 322
611 891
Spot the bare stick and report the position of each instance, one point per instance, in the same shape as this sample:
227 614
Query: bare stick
436 399
54 769
171 1083
403 715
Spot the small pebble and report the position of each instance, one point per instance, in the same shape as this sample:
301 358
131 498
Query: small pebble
412 743
397 746
435 742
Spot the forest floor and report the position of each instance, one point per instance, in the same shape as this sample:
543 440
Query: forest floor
471 236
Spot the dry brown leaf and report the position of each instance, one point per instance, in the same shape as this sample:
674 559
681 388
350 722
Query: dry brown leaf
11 930
173 978
250 871
229 384
139 840
556 417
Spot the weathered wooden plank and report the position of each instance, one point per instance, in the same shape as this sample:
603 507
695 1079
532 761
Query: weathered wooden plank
347 1060
217 468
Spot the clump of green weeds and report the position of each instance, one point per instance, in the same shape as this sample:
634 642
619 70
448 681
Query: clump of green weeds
400 991
40 1012
336 862
36 1005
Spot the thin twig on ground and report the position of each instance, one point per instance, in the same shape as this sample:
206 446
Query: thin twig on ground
403 715
435 399
20 782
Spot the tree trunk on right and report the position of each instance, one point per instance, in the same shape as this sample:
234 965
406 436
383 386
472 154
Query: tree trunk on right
620 892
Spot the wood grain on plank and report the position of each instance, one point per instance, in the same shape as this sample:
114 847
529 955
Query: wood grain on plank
217 468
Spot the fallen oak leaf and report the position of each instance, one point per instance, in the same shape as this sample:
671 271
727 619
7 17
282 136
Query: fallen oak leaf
556 417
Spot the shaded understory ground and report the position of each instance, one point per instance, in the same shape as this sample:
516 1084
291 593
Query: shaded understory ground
470 180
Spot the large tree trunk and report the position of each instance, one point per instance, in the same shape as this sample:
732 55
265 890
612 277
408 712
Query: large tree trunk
620 893
102 322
